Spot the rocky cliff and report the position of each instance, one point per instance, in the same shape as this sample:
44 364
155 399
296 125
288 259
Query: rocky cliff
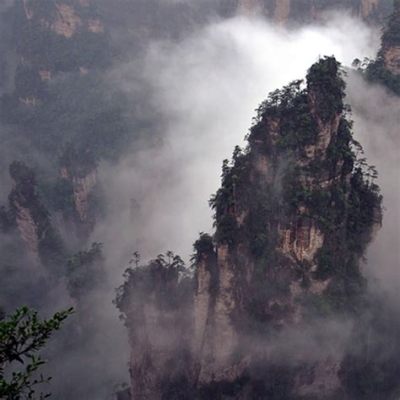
81 177
391 42
386 68
54 37
33 220
157 306
293 218
58 103
305 10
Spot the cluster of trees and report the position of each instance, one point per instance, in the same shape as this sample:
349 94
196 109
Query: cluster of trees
22 337
165 277
345 212
376 70
57 101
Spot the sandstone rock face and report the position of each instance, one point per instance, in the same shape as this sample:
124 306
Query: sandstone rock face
249 7
67 21
203 328
293 241
284 10
95 25
31 216
386 68
390 51
63 26
302 241
391 58
368 7
152 348
28 230
159 324
293 217
224 337
83 184
82 190
28 11
23 200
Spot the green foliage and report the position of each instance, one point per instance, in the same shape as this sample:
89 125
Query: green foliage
204 246
54 52
85 271
22 336
364 206
391 34
287 182
227 232
290 107
295 108
224 201
349 209
326 86
163 279
79 118
76 108
279 101
347 216
376 72
205 252
63 105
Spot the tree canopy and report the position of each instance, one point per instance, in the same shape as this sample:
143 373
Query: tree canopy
22 336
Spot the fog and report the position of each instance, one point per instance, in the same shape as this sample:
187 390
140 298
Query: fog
376 126
205 90
201 92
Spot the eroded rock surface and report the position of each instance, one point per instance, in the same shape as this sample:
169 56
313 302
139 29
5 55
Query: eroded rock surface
293 218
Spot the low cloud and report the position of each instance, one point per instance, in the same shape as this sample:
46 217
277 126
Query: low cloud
203 92
376 125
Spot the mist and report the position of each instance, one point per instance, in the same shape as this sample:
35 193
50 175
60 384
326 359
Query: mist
205 90
201 91
376 127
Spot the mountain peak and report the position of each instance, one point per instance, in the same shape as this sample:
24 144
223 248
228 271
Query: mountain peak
294 215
